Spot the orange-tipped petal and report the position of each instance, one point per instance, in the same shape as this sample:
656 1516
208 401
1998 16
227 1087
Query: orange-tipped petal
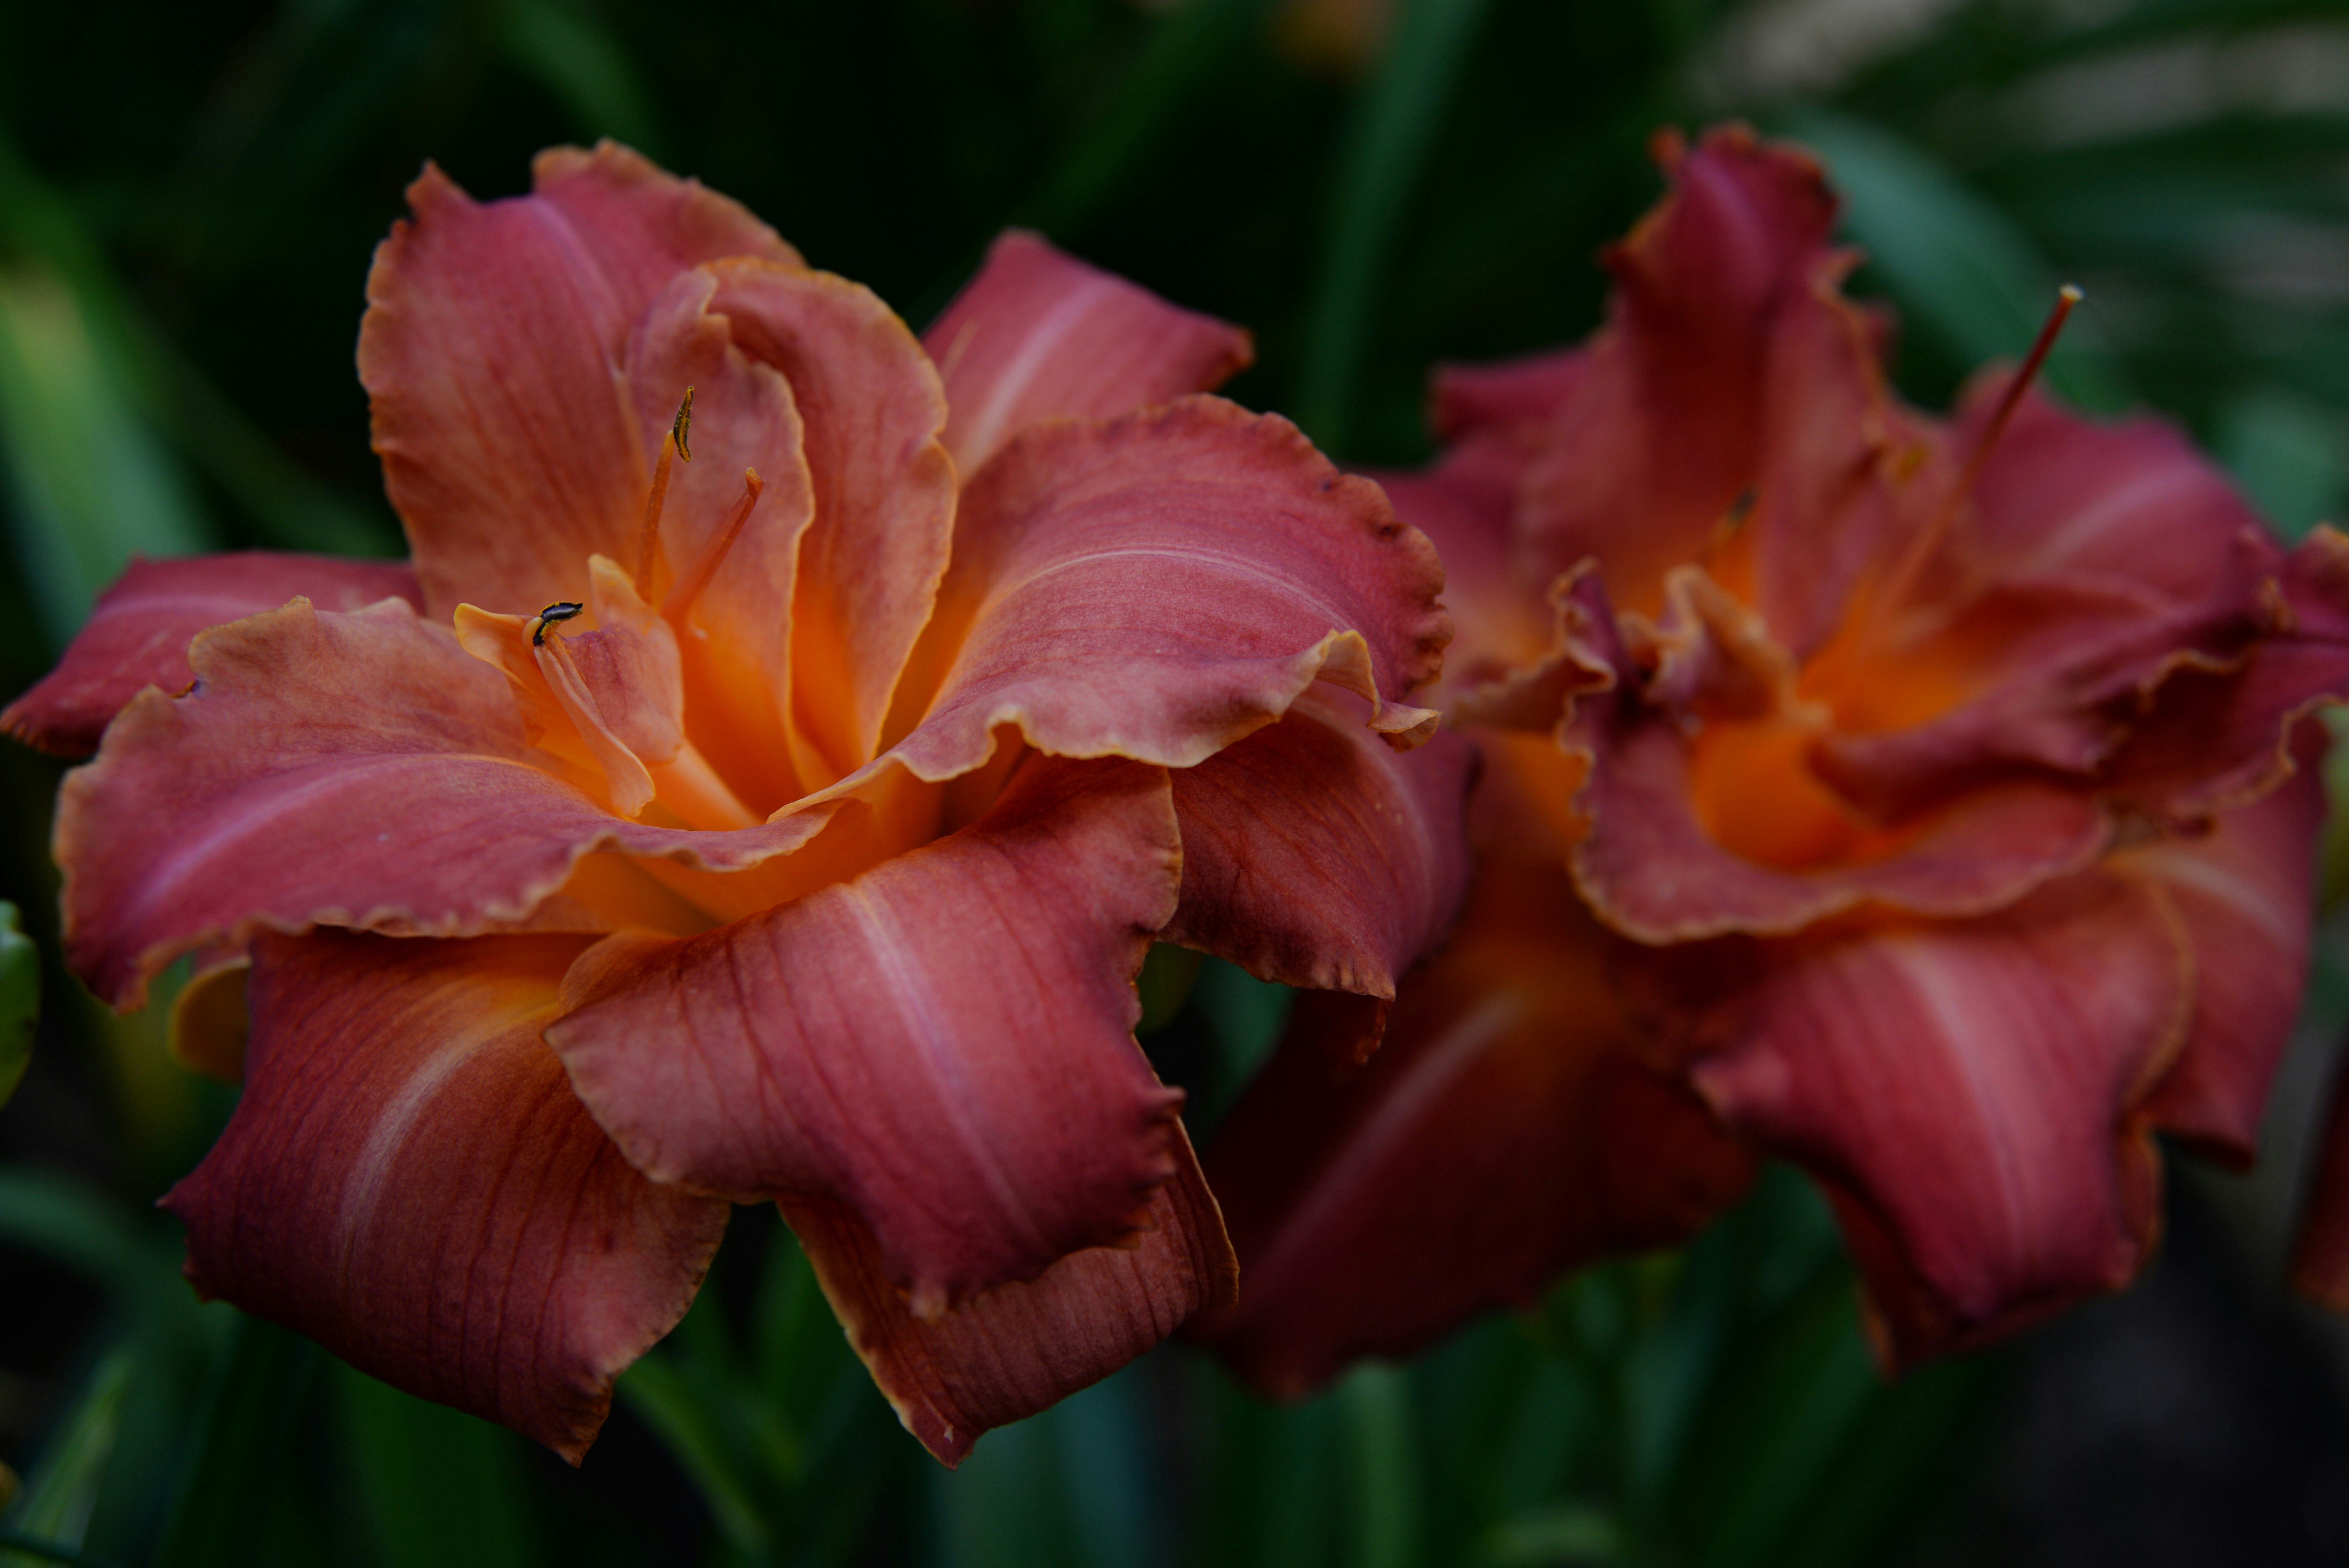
1039 335
1968 1091
942 1043
884 495
2246 893
137 632
1160 586
333 768
491 353
1316 855
410 1181
1024 1345
1506 1130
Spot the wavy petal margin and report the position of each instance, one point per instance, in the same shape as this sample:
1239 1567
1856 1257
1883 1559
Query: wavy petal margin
356 769
1315 855
1160 585
885 495
491 354
1021 1347
1969 1093
138 631
1507 1130
410 1181
2246 892
1037 335
944 1044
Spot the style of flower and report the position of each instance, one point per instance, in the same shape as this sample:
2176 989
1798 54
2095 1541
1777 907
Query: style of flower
762 783
1923 802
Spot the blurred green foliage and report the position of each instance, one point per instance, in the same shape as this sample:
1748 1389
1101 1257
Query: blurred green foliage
189 194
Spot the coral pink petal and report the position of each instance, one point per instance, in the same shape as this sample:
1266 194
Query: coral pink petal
1039 335
1160 585
1652 870
735 643
1506 1132
410 1181
884 493
491 354
1318 856
1024 1345
1508 395
1663 429
2214 740
2246 893
337 768
1968 1091
942 1044
137 632
1464 505
645 224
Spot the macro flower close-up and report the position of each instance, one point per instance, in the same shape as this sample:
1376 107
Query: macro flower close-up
1175 784
731 800
1931 802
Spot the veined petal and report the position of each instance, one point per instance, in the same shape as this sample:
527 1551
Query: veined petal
885 497
736 636
942 1044
1662 430
2245 890
331 768
645 224
1653 868
1464 505
1039 335
137 632
1160 586
1026 1345
1969 1092
2216 738
410 1181
491 354
1315 855
1506 1130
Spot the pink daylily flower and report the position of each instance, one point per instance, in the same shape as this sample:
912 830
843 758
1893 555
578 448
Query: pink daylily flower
772 805
1924 802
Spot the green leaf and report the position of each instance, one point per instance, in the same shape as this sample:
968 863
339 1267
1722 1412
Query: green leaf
442 1488
660 1393
1959 268
1387 1504
1567 1533
1186 49
91 485
240 1448
59 1218
575 57
2286 450
1386 149
61 1493
20 1000
291 509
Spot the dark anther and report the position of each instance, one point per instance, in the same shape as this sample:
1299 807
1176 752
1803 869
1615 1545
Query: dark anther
562 609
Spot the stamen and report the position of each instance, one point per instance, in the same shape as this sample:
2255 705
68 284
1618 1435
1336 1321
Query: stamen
688 587
561 610
676 444
1928 540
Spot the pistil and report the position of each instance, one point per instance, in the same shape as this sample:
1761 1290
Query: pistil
688 587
